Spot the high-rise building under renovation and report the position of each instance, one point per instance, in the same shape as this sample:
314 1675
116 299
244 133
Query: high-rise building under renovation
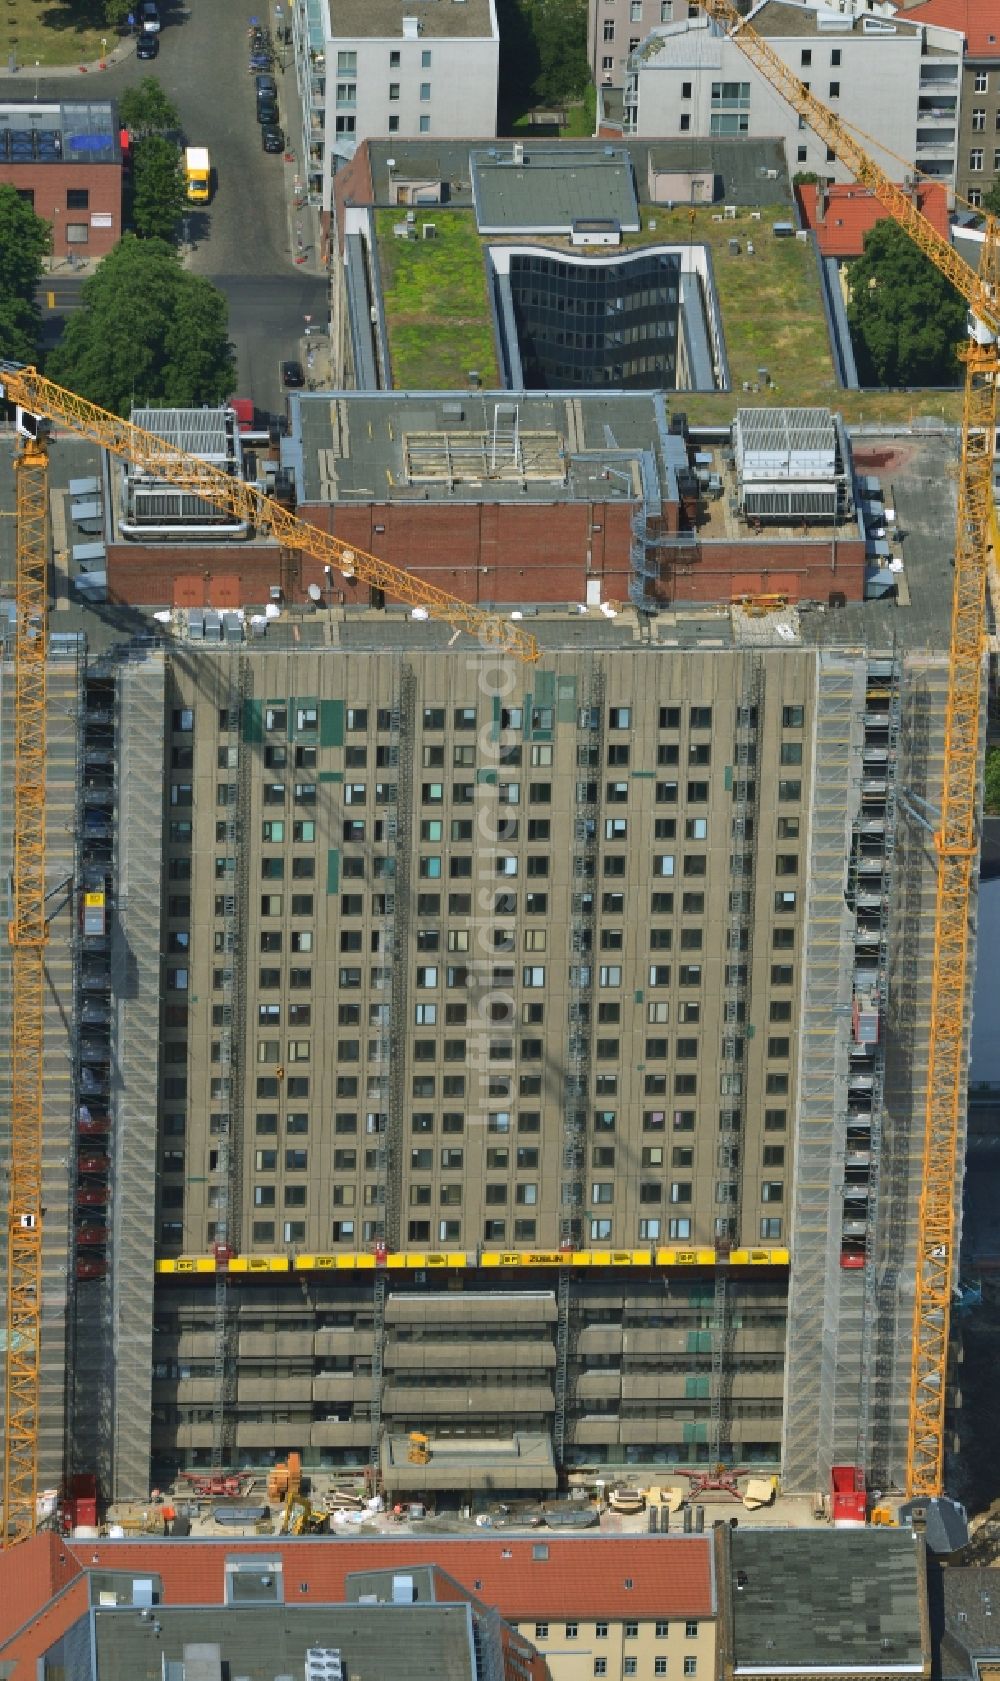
528 1056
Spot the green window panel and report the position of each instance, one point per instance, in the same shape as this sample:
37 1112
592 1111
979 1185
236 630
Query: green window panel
332 870
253 720
331 723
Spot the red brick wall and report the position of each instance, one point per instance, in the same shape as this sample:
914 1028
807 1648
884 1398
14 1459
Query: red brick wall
803 570
49 183
483 554
480 553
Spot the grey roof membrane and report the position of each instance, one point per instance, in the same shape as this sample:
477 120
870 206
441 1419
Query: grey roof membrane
822 1600
378 1642
552 189
374 19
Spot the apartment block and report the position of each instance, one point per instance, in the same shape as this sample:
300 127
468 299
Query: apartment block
899 81
531 1055
979 124
394 68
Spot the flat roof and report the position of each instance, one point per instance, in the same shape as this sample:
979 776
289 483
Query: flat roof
475 446
64 131
379 19
825 1601
743 164
539 190
792 18
382 1642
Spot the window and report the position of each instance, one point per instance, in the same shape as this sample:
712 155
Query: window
347 63
834 90
541 1631
425 91
976 158
393 90
425 125
690 1666
600 1666
659 1666
572 1630
630 1666
982 84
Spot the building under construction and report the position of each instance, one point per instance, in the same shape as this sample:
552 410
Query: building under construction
527 1056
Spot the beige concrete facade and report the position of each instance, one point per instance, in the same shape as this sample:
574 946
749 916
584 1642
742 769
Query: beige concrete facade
569 901
681 1649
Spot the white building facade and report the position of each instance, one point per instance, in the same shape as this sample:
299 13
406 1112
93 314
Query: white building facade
897 81
368 68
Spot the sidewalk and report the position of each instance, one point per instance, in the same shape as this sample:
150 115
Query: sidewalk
123 48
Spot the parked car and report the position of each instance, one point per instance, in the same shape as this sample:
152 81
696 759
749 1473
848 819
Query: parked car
261 58
266 86
292 377
149 18
147 46
88 1266
272 139
267 113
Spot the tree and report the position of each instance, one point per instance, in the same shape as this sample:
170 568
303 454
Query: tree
147 332
991 200
992 789
145 109
158 190
560 30
905 318
24 243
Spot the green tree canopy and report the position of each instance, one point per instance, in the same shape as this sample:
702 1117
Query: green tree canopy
145 109
147 332
992 791
543 52
905 318
158 190
24 241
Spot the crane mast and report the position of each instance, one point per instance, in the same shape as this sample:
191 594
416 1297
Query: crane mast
27 936
28 931
956 838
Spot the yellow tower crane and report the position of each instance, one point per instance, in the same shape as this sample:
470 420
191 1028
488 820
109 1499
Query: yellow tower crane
956 836
160 459
42 403
27 934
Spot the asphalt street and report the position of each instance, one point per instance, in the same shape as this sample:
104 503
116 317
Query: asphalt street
243 242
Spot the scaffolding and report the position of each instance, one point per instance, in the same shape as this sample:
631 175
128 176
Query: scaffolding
135 991
389 1119
872 855
814 1308
576 1080
735 1014
232 1030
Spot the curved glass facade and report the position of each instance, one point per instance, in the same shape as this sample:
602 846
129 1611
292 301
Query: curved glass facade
590 323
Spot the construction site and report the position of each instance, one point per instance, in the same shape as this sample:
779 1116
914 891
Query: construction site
503 1058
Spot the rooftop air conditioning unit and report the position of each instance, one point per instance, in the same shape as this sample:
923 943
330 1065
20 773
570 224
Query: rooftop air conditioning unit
429 230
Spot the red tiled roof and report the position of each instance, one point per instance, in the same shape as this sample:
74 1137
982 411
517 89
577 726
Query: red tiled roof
30 1574
977 20
670 1576
586 1575
852 209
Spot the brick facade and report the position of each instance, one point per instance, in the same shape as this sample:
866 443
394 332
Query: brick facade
50 185
486 553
